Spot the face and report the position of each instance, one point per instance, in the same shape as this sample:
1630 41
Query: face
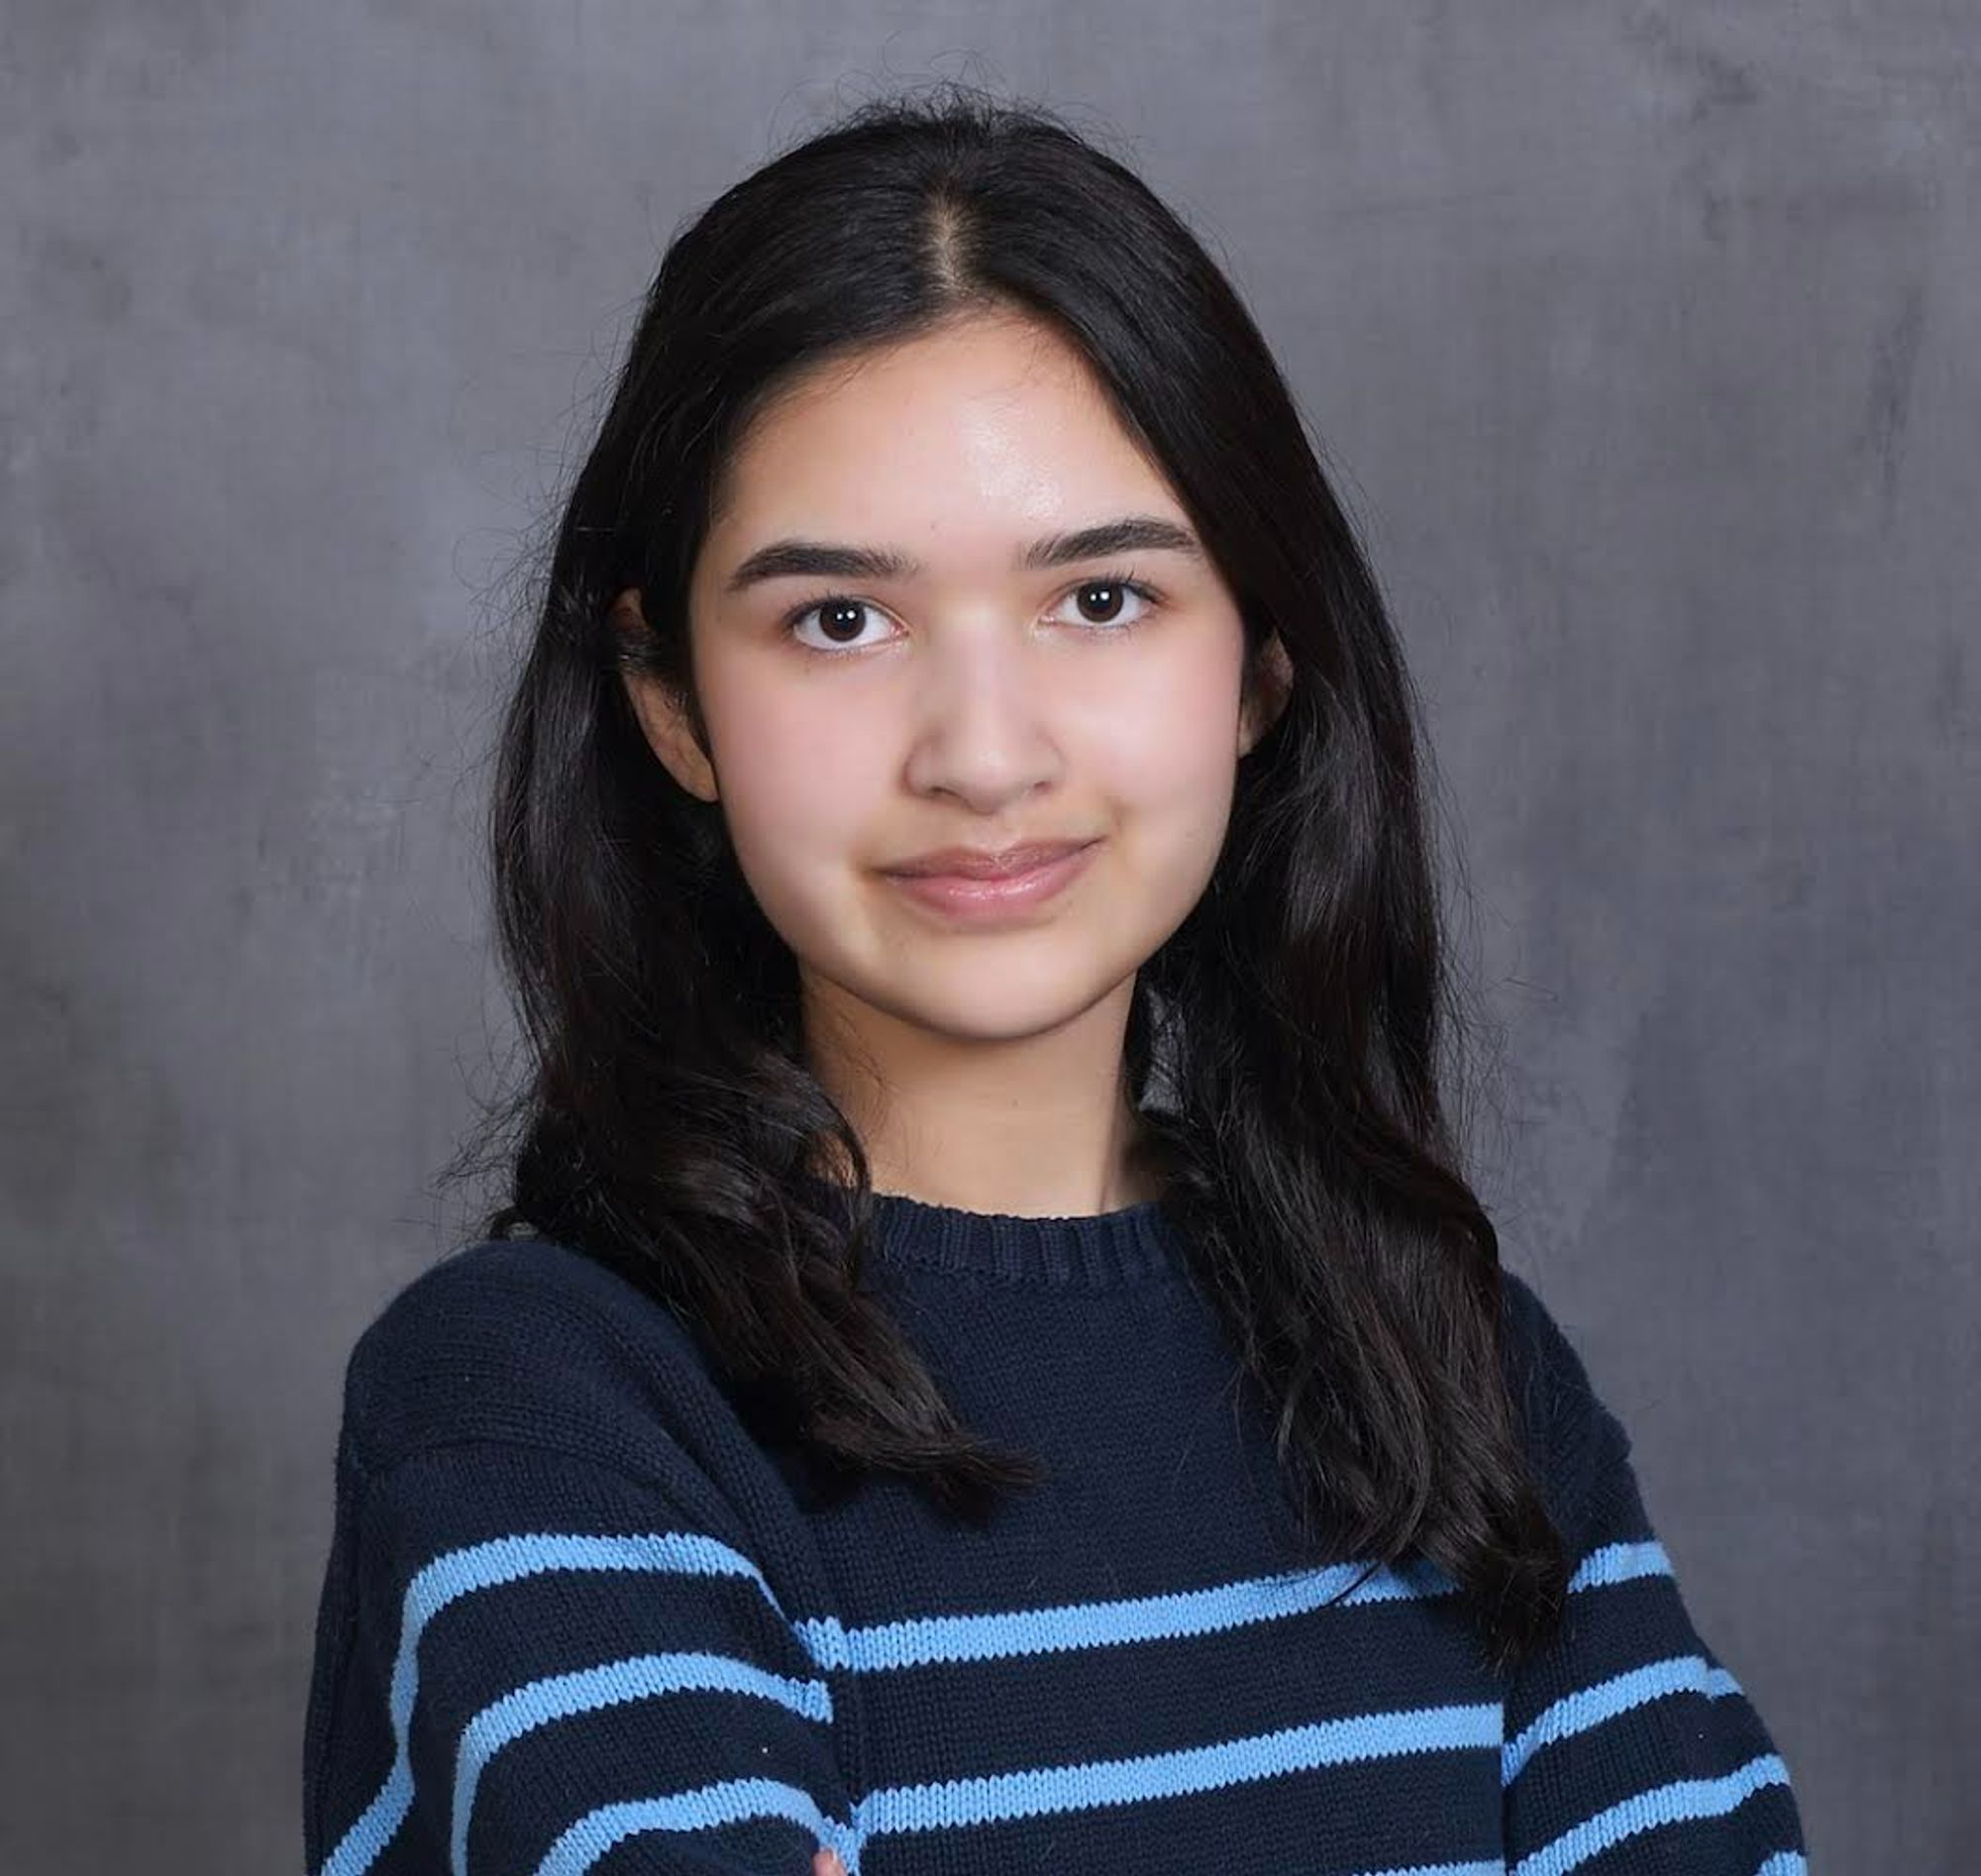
972 692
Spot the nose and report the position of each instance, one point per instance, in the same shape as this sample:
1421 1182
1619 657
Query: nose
984 732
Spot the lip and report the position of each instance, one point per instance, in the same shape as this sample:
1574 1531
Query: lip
976 899
967 863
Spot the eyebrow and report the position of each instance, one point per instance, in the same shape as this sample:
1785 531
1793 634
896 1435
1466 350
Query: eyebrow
1129 534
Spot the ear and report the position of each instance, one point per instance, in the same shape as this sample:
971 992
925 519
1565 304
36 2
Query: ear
1268 686
665 717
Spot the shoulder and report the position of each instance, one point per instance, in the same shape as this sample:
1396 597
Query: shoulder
1573 1442
1545 1369
531 1342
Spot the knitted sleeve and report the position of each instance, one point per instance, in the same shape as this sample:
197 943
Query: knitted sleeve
534 1662
557 1631
1630 1749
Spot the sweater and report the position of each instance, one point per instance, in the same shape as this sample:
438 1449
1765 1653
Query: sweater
575 1617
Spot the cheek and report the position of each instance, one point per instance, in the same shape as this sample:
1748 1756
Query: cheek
799 787
1167 754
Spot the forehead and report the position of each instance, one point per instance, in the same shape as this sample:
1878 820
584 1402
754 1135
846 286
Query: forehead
962 438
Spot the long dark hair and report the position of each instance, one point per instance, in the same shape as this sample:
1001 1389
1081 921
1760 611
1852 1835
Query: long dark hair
1295 1026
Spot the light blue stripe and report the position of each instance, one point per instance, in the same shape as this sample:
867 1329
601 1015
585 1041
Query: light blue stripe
956 1802
1578 1711
919 1641
997 1797
730 1802
638 1677
1620 1563
1785 1863
1684 1802
486 1566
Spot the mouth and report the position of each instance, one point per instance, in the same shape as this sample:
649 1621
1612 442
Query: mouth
963 863
1016 889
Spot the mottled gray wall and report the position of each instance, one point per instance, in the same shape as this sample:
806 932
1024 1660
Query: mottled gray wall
1644 341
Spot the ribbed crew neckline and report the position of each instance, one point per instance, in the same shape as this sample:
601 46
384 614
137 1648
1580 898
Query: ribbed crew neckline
1100 1250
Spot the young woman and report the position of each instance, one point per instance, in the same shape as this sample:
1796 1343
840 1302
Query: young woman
993 1363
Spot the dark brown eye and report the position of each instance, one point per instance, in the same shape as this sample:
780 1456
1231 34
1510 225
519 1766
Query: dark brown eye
1101 601
838 616
841 616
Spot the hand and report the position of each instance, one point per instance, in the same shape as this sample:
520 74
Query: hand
827 1863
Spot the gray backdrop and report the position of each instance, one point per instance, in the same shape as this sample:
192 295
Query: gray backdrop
1643 340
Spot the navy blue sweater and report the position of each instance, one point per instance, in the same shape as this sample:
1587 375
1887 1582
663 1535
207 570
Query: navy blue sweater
575 1618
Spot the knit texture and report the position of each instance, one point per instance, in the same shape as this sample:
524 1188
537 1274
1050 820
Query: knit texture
574 1619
